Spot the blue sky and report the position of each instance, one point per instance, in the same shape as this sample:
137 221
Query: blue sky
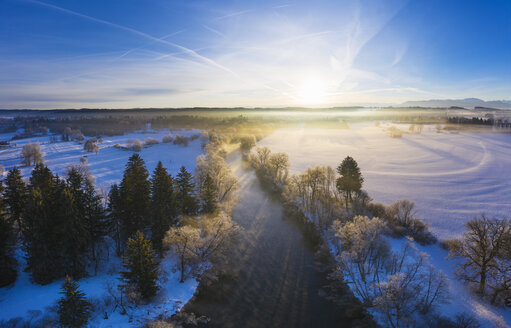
134 53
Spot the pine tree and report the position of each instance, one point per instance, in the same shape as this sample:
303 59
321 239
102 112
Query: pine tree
89 208
163 205
8 272
41 227
351 179
134 191
209 195
115 216
73 308
141 268
185 192
15 195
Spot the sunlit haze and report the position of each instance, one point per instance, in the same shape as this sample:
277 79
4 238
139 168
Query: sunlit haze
118 54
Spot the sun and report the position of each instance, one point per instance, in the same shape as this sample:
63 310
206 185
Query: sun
311 92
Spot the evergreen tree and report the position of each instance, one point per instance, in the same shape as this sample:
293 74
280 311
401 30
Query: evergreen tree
89 208
134 191
351 179
115 216
15 195
209 195
163 205
41 227
73 308
8 272
73 236
185 192
141 268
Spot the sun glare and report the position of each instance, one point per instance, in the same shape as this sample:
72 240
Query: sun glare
311 92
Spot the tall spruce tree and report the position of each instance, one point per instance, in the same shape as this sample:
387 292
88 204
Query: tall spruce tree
73 307
141 267
209 195
163 205
115 217
8 272
41 227
350 180
134 191
15 195
185 192
88 206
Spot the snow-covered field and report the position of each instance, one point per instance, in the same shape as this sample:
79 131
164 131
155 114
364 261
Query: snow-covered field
108 165
27 300
450 177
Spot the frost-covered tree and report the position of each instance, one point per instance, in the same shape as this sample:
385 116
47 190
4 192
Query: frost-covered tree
91 146
73 308
185 242
141 267
31 153
350 179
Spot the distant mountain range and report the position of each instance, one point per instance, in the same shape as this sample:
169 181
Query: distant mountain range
468 103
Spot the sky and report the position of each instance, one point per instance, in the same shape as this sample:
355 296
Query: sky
223 53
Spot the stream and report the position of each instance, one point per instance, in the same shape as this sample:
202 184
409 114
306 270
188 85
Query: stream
277 283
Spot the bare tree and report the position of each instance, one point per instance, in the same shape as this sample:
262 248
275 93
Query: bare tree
91 146
480 248
185 242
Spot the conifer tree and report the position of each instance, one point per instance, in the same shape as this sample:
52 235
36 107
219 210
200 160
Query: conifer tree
141 268
89 208
73 308
163 205
209 195
115 217
185 192
8 272
15 195
41 227
351 179
134 191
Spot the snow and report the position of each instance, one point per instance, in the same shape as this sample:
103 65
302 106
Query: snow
24 298
461 299
450 177
108 165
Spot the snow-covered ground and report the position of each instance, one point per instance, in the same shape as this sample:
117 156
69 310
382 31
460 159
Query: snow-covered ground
31 301
461 299
450 177
108 165
27 300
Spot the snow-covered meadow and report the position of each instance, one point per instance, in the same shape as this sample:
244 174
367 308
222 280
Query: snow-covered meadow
108 164
31 301
451 177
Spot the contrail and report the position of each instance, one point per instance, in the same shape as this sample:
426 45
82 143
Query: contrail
232 15
139 33
137 48
214 31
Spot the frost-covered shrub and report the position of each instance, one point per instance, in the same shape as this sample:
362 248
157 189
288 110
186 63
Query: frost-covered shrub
402 221
194 137
150 141
181 140
91 146
168 138
117 146
83 160
247 143
31 153
135 145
